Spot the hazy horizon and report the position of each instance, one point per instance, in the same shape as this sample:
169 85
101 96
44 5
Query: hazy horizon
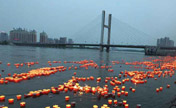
65 18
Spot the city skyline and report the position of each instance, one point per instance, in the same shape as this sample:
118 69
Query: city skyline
19 35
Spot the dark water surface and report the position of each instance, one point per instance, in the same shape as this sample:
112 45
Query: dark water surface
145 94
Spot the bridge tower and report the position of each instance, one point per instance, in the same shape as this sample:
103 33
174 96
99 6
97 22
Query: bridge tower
102 31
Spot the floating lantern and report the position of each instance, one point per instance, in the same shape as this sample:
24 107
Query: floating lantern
2 98
115 101
95 106
157 90
68 106
110 102
18 97
113 91
22 104
74 73
93 90
56 106
118 94
8 64
11 101
118 89
123 87
133 90
6 82
138 106
67 98
168 86
126 106
106 81
124 102
1 81
126 93
73 104
161 88
105 105
9 74
66 90
122 92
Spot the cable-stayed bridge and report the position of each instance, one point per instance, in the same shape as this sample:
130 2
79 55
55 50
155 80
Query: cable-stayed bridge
105 34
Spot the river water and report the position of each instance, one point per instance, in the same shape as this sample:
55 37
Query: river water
145 93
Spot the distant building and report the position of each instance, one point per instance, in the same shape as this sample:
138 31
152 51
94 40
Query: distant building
3 36
32 37
63 40
56 41
50 41
20 35
70 41
43 37
165 42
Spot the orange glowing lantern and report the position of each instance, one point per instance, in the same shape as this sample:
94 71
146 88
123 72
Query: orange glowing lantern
68 106
122 92
74 73
67 98
18 97
115 101
126 106
22 104
126 93
95 106
118 94
93 90
133 90
8 64
124 102
123 87
110 102
11 101
2 98
56 106
157 90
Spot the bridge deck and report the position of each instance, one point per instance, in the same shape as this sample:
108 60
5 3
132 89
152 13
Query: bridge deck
104 45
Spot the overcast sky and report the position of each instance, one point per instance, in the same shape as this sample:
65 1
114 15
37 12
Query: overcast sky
65 17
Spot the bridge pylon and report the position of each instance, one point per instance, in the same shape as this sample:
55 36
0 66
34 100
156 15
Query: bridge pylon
102 31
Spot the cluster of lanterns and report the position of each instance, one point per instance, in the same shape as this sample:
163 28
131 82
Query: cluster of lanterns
156 68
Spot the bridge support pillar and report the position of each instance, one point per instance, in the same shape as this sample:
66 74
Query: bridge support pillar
109 32
102 31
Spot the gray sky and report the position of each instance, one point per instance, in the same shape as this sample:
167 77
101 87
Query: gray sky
65 17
